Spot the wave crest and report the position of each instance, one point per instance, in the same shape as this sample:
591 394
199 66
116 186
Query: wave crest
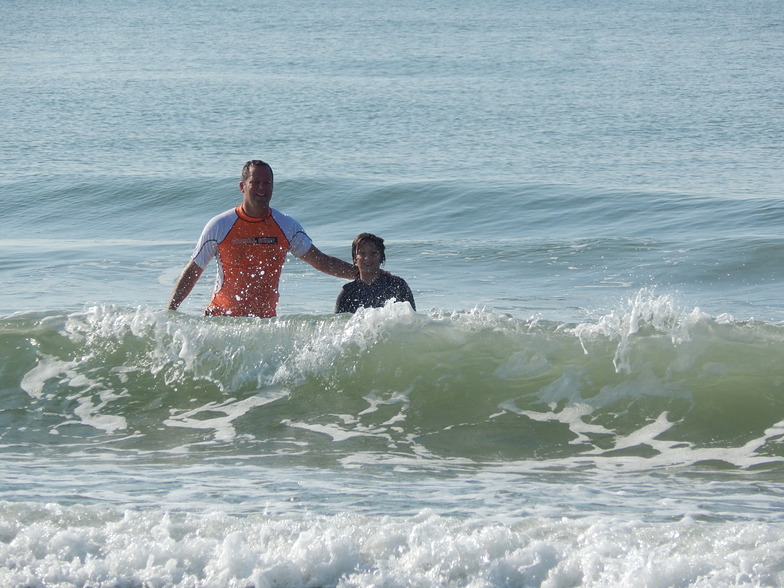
647 380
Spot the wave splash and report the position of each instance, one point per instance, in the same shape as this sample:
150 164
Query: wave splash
647 384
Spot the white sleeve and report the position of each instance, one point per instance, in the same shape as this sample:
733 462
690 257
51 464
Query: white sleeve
214 232
299 242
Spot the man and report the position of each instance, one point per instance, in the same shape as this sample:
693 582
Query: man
250 243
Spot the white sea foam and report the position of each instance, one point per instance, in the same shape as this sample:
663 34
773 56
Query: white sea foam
231 409
47 368
102 548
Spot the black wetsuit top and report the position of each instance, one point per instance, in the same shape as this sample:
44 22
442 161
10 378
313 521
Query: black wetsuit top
358 294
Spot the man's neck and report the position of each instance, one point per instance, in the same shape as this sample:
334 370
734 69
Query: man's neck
254 212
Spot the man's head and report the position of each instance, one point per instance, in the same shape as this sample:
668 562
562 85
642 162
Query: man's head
256 187
248 167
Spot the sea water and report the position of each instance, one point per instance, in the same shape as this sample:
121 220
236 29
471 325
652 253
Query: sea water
586 200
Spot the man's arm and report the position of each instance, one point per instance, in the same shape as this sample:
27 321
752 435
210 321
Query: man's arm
330 265
185 283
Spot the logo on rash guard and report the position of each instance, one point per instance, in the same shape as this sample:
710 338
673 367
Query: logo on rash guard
255 241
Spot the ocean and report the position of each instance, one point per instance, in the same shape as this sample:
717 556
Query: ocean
586 200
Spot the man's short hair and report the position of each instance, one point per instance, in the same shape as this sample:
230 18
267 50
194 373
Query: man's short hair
250 165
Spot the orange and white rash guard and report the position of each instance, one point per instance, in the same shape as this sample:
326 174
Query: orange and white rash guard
250 254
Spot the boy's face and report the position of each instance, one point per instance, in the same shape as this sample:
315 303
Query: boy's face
367 257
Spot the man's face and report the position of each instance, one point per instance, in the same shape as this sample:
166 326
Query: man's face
257 189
